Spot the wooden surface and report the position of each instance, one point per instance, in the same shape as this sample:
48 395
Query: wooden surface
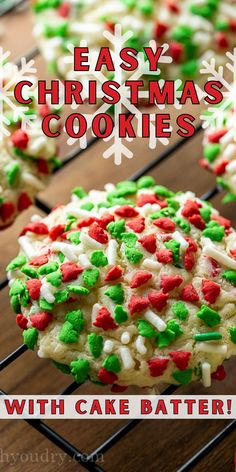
154 445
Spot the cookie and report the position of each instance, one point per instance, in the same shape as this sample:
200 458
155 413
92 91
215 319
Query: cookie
133 285
219 151
27 156
193 30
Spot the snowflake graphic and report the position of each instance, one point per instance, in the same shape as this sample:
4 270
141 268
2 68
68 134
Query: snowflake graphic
215 114
10 75
118 147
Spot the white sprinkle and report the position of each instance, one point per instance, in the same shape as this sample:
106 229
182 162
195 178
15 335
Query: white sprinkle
112 252
223 259
152 265
206 374
37 145
109 187
95 310
46 292
71 251
231 167
79 212
229 153
27 247
84 260
31 180
155 320
179 238
127 360
85 238
35 218
140 345
125 337
108 346
215 348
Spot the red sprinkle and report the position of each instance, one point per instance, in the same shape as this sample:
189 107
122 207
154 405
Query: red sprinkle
64 10
219 169
192 245
165 224
189 260
158 300
56 231
216 136
39 261
36 228
149 242
104 320
42 166
197 221
137 304
24 201
210 290
70 271
34 285
118 388
232 25
219 374
21 321
145 198
160 29
169 282
173 6
20 139
44 110
140 278
105 220
7 210
176 51
126 211
137 225
164 256
107 377
113 274
157 366
189 294
222 40
190 208
97 232
41 320
181 359
86 222
222 221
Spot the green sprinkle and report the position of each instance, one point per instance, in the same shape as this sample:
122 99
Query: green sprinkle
230 276
87 206
18 288
74 237
180 310
211 336
48 268
222 183
60 30
79 192
190 68
30 272
61 257
30 337
183 377
65 369
15 304
232 332
68 334
112 363
146 7
146 330
211 151
95 343
41 5
182 33
205 213
129 239
183 224
76 319
77 289
175 327
201 10
98 259
165 338
120 314
61 296
79 370
145 182
168 211
12 171
163 191
116 228
133 255
209 316
116 293
90 277
216 233
54 278
229 197
45 306
174 247
16 263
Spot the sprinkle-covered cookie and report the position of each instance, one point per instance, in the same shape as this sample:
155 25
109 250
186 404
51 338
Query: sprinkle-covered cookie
219 151
27 156
194 30
130 285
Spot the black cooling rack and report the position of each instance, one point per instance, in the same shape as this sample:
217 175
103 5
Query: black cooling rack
89 461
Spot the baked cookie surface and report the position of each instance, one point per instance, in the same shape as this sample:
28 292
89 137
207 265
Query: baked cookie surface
219 151
133 285
27 156
193 30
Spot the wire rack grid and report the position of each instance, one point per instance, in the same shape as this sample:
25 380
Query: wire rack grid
89 461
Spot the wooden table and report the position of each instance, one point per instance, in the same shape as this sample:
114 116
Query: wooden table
160 446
